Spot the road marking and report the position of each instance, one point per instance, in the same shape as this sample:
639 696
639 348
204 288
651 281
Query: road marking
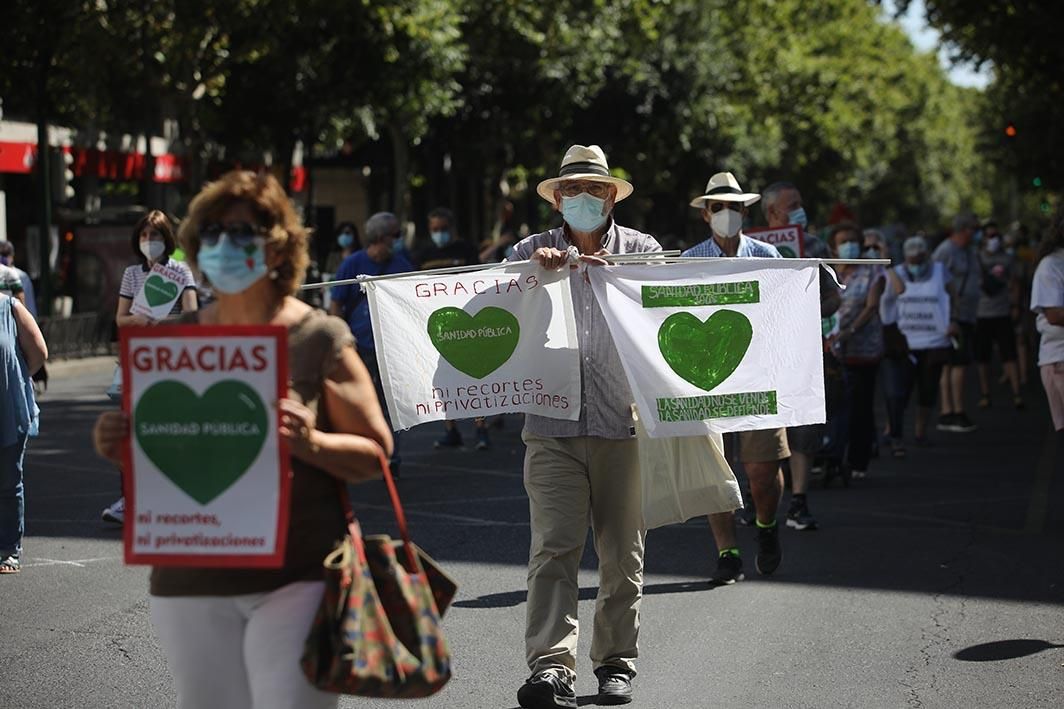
459 469
476 521
79 563
31 461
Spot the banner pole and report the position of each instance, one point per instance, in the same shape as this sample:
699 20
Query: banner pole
619 258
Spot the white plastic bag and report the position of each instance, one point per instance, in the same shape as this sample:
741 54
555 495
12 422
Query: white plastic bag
114 392
684 477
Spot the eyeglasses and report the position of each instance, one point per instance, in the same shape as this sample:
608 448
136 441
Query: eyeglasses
239 233
715 207
601 190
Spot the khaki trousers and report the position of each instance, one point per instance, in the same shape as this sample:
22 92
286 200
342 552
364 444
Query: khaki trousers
571 482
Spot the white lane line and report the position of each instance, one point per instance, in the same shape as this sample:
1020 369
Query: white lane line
32 462
459 469
79 563
466 500
476 521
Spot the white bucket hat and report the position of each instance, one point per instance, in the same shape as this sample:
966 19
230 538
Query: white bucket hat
584 162
723 187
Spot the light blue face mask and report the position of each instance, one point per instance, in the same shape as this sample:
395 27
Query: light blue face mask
583 212
917 270
440 238
346 240
849 249
231 268
798 216
398 247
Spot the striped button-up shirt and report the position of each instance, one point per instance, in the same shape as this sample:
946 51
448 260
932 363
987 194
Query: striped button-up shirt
606 399
748 248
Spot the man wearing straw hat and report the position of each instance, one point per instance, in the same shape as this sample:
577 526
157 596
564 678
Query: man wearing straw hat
724 207
584 469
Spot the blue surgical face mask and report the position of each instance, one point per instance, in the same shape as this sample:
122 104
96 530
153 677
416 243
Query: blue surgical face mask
798 216
231 268
346 240
6 260
917 270
398 246
583 212
849 249
440 238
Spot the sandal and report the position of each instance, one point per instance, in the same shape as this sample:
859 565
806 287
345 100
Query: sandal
10 565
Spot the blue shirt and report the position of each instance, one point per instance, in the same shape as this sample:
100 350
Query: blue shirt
352 300
747 248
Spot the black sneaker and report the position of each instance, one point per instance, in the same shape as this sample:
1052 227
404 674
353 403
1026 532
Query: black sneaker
963 424
799 517
615 685
729 570
946 422
451 439
746 516
548 689
769 553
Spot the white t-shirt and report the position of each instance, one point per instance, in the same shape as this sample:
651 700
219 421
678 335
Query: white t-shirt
1047 291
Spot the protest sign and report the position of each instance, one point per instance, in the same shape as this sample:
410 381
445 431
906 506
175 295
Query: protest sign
497 341
161 289
721 345
207 474
786 239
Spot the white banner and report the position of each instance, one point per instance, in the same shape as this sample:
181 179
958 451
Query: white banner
497 341
731 344
163 286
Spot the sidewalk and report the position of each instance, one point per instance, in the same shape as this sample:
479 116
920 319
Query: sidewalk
81 367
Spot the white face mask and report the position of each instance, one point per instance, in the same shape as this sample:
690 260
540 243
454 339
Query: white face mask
993 244
153 250
726 223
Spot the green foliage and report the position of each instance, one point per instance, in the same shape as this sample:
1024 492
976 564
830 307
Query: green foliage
466 94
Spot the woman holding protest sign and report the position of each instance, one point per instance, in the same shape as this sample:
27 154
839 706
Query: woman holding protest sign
144 286
234 637
22 352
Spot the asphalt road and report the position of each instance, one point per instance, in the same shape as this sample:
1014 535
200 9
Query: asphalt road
935 582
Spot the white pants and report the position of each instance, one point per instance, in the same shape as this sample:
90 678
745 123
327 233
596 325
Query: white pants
241 652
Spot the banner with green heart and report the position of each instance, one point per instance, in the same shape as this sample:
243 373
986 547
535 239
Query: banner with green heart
207 473
705 353
203 444
160 291
717 345
474 344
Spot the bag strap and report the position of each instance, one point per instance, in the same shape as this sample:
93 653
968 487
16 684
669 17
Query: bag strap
397 508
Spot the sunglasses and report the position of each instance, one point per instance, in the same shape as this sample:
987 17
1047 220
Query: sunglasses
596 189
239 233
715 207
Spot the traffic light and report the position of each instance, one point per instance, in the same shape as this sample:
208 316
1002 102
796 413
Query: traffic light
68 176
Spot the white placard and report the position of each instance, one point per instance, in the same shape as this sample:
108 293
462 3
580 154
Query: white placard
729 344
163 286
786 239
206 477
497 341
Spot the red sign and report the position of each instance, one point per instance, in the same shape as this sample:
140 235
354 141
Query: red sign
17 158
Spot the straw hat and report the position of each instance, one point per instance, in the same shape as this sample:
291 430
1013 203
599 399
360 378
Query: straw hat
723 187
584 162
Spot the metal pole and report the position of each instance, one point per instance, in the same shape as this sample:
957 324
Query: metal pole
44 216
616 258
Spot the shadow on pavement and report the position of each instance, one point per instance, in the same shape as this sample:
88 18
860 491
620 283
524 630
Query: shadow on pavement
1003 650
509 599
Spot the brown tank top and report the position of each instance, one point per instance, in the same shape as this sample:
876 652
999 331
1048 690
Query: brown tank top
316 519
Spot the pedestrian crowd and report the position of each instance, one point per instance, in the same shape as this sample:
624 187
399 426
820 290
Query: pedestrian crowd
233 637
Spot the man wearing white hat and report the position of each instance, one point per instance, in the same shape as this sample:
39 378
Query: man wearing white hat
724 207
584 469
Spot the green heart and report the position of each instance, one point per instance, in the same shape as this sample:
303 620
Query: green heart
202 444
476 345
705 353
159 291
